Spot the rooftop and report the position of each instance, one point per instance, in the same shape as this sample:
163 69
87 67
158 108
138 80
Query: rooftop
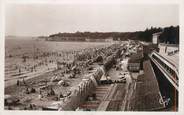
174 58
158 33
135 58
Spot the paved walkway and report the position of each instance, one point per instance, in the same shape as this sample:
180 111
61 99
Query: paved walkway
147 95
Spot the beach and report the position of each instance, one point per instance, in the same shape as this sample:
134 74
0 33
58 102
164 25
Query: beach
32 64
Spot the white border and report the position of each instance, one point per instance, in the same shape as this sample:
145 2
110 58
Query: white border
93 1
2 33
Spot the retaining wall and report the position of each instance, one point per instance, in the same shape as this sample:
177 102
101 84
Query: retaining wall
80 92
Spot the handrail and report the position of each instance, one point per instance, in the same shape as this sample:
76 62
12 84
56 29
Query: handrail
166 60
168 73
172 45
172 79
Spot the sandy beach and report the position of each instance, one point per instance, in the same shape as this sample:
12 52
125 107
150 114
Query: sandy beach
40 66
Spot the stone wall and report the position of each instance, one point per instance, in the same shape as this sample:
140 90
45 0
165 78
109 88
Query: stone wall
80 92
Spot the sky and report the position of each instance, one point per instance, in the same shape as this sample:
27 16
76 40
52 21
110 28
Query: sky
46 19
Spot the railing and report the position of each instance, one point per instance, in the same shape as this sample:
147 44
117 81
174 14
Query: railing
171 78
171 45
163 58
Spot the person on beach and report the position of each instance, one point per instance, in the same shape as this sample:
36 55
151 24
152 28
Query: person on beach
18 83
32 90
60 95
165 49
27 91
51 92
40 96
24 81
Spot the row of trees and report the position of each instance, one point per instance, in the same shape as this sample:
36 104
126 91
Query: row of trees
169 34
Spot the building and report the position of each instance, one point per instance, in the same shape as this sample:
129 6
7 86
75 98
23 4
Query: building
135 61
62 38
94 40
155 37
109 39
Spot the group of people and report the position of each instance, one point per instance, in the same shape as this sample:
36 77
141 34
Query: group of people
92 53
41 59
